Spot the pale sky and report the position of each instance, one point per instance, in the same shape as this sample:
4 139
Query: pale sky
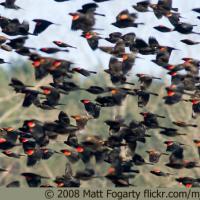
84 56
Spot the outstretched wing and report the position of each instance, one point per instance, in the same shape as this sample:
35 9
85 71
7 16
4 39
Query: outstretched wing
10 2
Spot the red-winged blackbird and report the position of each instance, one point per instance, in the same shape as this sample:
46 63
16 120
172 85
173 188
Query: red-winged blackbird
151 119
171 132
92 108
52 95
163 55
84 18
135 132
114 141
143 97
12 154
176 158
114 37
162 8
196 10
72 156
139 160
173 145
25 51
85 174
36 128
181 27
10 4
129 39
185 28
128 62
67 180
84 72
13 184
142 6
28 145
46 186
41 25
92 39
67 86
125 19
47 153
158 172
8 138
97 90
32 179
120 180
118 50
81 120
13 27
115 125
146 80
72 140
115 100
60 126
142 47
154 155
17 43
189 42
190 164
51 50
184 124
115 70
62 44
163 29
92 141
31 97
172 97
188 182
18 85
33 156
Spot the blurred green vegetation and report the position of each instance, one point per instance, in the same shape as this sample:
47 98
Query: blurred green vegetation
12 114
